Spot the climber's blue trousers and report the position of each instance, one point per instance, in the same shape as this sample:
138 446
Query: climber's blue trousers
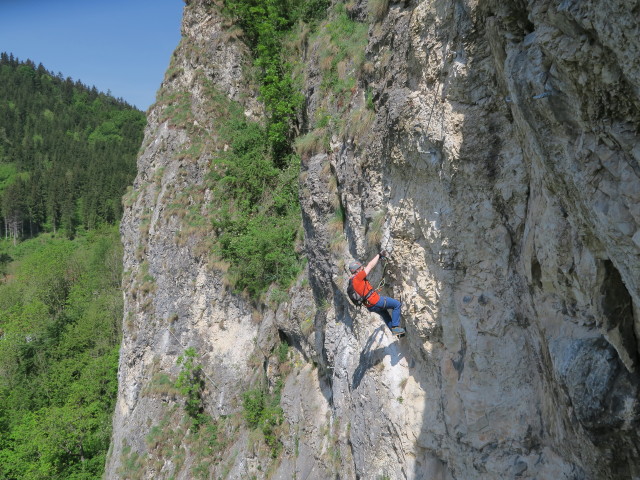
382 307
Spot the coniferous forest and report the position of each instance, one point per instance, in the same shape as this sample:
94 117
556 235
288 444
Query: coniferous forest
67 151
67 154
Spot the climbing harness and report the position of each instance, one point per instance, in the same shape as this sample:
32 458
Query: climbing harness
357 299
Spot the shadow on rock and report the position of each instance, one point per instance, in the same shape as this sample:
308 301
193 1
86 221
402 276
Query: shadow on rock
370 358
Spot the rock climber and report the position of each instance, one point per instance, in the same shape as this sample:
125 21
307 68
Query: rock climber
373 300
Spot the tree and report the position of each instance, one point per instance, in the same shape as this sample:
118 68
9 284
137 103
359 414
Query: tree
13 207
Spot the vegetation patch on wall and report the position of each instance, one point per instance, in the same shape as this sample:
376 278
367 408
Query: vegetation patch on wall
254 168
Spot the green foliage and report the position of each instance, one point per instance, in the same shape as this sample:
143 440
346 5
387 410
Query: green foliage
261 408
265 23
369 100
59 377
132 463
165 441
178 110
208 444
5 260
261 251
253 402
340 43
283 352
67 152
347 40
247 168
263 411
311 10
257 223
7 175
190 383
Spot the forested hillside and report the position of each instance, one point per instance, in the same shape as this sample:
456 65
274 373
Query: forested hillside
67 154
67 151
60 316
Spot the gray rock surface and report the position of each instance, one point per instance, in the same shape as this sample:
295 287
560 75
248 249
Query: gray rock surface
501 168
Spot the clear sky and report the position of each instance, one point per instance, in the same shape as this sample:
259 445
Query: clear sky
119 45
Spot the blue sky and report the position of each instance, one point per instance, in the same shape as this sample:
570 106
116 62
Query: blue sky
119 45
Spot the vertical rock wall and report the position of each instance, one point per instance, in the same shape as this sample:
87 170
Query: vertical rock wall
501 168
173 298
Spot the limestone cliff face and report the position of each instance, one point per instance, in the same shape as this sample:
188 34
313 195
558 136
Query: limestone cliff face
500 166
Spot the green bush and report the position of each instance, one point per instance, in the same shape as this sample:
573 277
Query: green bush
258 222
264 23
253 402
263 411
283 352
190 383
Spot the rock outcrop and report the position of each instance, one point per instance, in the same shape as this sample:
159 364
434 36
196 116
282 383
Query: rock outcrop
499 163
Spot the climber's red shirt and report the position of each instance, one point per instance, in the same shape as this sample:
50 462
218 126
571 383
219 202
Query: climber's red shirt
362 286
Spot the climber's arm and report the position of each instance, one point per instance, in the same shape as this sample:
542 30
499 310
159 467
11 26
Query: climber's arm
372 264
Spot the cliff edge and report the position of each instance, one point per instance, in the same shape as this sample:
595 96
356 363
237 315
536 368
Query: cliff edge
492 147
